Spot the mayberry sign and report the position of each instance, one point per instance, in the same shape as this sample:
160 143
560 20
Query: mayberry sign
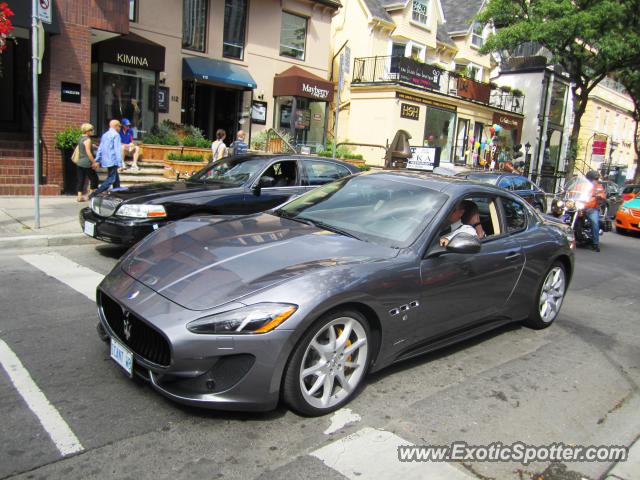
314 91
297 82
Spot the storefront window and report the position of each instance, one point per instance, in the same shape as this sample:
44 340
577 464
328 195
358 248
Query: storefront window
235 17
461 148
194 24
303 119
439 130
132 10
293 36
282 112
128 93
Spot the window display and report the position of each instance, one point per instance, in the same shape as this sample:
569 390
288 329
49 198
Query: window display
439 131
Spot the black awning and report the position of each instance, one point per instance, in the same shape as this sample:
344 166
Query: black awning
130 50
22 15
209 70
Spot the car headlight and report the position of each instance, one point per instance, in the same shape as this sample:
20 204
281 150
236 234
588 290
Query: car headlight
624 210
570 204
141 211
560 203
258 318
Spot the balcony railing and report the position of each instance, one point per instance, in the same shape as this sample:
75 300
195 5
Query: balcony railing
406 71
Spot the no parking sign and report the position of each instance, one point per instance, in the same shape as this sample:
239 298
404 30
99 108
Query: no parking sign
44 10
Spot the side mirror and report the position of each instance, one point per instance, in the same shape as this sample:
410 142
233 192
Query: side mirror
464 243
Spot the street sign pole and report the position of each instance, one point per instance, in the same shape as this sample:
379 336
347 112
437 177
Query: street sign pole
36 126
335 122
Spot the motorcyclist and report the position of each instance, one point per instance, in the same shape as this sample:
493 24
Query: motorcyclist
592 207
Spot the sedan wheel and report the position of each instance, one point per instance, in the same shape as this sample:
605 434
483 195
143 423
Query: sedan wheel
549 298
328 365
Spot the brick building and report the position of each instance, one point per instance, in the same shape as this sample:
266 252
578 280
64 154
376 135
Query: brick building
66 63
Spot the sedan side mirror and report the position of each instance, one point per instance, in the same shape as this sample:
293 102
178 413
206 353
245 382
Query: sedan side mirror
464 243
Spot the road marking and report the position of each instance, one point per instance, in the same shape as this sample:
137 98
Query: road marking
373 454
81 279
64 439
342 417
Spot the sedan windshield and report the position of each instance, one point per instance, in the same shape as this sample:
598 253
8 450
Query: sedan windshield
372 208
489 179
231 172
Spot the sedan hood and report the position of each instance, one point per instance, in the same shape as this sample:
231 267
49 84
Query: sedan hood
157 192
199 263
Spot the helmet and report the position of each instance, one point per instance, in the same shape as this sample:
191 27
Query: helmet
593 175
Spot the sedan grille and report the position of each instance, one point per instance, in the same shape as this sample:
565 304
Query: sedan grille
140 337
635 212
104 206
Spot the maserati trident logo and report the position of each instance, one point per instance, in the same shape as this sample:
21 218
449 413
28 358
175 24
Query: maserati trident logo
127 326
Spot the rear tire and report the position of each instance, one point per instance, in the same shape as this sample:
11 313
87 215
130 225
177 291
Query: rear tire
327 367
549 298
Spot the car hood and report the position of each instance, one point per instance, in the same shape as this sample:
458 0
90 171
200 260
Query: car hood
200 263
155 192
633 203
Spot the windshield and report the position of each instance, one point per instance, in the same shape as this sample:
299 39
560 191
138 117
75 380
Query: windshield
377 209
489 179
578 188
231 172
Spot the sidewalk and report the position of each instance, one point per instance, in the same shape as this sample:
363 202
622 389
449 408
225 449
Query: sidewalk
58 222
629 470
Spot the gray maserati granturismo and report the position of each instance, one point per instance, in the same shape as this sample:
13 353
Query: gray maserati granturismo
299 303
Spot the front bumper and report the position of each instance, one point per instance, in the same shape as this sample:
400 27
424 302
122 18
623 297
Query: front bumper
627 222
226 372
118 230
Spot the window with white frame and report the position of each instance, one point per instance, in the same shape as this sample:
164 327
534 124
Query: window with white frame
474 72
477 37
420 11
194 24
293 36
597 121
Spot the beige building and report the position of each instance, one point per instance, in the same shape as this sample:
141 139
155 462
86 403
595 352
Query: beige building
221 60
415 66
606 132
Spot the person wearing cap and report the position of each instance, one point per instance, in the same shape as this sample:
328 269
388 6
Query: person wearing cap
86 164
129 148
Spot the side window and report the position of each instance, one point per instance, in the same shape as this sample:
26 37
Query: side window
284 174
488 212
320 172
520 183
506 183
515 215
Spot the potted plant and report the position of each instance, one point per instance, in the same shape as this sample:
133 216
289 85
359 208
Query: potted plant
493 85
505 88
66 141
169 137
516 92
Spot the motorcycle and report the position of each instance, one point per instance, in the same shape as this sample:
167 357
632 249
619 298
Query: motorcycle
569 206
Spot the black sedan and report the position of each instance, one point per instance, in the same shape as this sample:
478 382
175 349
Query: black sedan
301 302
515 183
231 186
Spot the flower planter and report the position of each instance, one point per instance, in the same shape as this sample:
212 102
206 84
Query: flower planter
161 152
174 167
353 161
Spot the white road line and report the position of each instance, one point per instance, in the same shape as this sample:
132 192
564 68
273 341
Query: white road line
64 439
373 454
340 419
81 279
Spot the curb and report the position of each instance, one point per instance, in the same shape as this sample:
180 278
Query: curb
46 240
630 469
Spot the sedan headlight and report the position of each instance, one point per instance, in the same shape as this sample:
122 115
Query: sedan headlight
141 211
258 318
624 210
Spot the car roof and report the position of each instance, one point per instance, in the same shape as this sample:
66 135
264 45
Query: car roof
452 185
295 156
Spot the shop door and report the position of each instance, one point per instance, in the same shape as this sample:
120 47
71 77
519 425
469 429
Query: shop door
15 88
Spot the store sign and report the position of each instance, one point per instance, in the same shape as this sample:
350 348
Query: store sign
473 90
162 98
130 51
424 158
409 111
509 122
425 101
599 147
70 92
137 60
314 91
419 74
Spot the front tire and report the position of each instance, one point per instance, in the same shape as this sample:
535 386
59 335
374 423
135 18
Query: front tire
549 298
329 363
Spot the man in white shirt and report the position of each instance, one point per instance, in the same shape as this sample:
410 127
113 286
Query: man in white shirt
464 219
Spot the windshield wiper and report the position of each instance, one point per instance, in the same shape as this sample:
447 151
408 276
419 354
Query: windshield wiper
326 226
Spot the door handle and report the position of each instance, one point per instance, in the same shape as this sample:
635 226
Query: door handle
512 255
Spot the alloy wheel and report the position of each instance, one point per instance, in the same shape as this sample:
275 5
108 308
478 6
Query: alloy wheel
333 363
552 294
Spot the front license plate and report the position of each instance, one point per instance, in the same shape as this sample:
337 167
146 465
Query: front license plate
90 228
122 356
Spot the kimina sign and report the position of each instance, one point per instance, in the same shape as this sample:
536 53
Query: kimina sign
135 60
314 91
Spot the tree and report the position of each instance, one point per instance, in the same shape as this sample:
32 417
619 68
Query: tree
590 39
630 78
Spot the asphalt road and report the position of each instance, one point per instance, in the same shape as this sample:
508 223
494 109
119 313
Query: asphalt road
576 383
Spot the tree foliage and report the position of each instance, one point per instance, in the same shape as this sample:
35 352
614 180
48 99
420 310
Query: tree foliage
590 39
630 78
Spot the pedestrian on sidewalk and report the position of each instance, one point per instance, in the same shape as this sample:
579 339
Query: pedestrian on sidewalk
218 147
87 164
129 148
109 156
239 146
